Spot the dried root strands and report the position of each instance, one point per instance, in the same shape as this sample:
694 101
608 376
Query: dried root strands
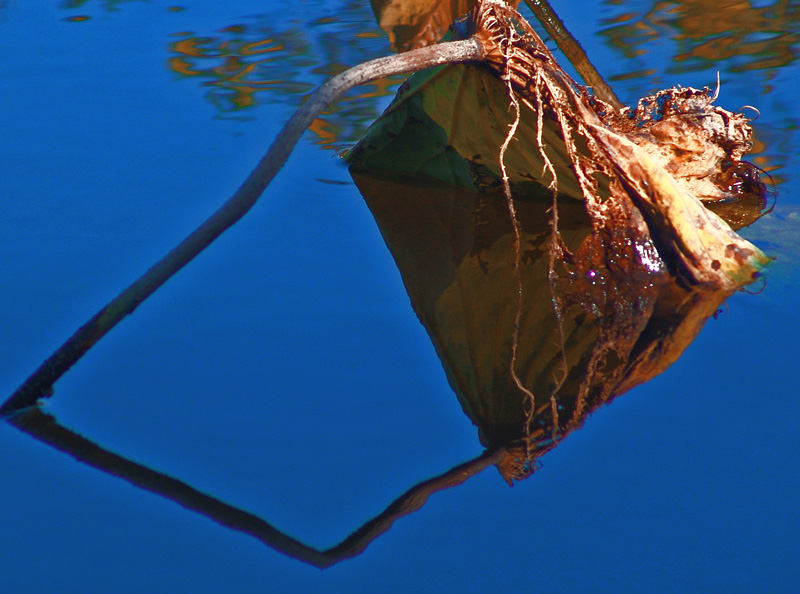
658 162
673 150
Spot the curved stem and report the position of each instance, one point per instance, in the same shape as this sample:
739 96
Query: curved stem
40 383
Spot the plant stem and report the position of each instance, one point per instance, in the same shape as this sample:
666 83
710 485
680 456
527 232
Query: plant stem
573 51
40 383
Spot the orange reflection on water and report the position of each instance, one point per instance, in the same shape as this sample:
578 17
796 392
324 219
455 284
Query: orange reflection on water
239 62
752 37
325 131
235 66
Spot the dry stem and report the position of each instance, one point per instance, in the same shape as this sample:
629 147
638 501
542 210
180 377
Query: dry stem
573 51
40 383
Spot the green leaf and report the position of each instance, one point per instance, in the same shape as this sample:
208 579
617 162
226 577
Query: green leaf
446 126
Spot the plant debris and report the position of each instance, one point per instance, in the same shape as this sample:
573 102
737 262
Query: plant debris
609 261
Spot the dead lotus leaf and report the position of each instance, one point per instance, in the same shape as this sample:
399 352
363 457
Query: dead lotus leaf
556 250
447 126
410 24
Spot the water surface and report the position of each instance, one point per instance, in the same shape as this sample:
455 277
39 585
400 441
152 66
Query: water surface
284 371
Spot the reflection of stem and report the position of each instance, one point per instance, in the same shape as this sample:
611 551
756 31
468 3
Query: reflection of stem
573 51
40 383
45 428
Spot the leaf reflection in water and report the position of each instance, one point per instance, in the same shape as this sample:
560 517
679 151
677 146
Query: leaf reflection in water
624 317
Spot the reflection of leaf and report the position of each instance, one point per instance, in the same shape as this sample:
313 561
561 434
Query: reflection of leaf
621 324
454 250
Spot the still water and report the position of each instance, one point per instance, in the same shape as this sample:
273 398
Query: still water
284 371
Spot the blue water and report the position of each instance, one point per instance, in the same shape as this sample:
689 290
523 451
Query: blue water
284 371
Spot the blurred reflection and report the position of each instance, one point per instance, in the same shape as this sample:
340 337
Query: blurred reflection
744 36
234 59
288 59
107 4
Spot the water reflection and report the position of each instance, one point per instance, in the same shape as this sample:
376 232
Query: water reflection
623 317
530 350
44 427
287 59
237 63
624 320
743 36
109 5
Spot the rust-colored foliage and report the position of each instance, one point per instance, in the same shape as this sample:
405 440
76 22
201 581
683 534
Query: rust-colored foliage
410 24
